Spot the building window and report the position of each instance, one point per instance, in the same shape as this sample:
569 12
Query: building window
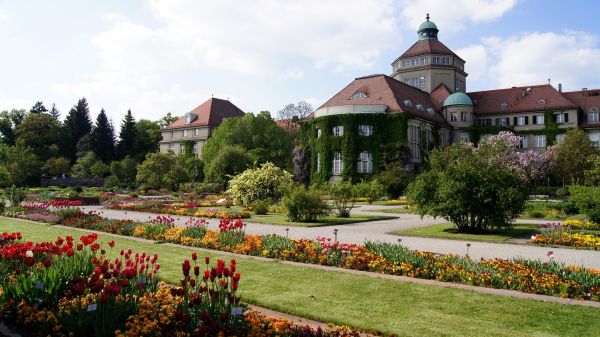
464 137
172 134
420 107
453 117
521 120
539 119
318 162
185 133
484 122
503 105
540 141
358 95
318 133
337 163
195 148
442 137
464 116
414 141
365 162
365 130
593 116
595 138
171 148
407 103
181 148
430 111
562 118
459 85
338 130
524 142
196 132
416 81
188 119
560 137
502 121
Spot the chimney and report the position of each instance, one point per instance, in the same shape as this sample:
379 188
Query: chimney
560 87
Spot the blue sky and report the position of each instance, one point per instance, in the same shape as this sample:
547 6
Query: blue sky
158 56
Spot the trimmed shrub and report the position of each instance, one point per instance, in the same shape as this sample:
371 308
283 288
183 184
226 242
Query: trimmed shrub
304 205
343 194
261 207
372 190
268 181
587 200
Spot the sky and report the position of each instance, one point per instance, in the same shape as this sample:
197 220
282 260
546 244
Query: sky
159 56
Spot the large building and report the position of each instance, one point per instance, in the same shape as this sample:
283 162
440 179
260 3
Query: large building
425 103
195 127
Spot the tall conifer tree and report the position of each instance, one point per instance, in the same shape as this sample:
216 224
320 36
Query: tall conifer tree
103 138
77 124
127 136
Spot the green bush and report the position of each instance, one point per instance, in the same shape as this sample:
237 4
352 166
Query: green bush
15 195
536 214
467 187
372 190
268 181
343 194
395 180
304 205
2 204
587 200
261 207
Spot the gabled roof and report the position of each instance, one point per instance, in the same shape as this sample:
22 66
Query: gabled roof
519 99
428 46
210 113
586 100
385 90
439 94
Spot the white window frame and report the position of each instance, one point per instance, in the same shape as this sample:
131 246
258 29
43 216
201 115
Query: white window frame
337 166
185 133
453 117
365 162
503 121
338 131
464 116
524 142
171 147
520 120
595 138
196 132
539 119
540 141
318 162
172 134
318 133
414 141
559 137
188 119
593 117
195 148
560 118
181 148
365 130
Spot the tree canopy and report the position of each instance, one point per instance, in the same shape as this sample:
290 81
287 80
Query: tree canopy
127 136
103 138
76 125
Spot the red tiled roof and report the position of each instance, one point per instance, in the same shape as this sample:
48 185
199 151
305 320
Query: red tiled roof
210 113
382 89
439 94
428 46
519 99
586 100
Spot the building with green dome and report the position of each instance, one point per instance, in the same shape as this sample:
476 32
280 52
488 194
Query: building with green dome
424 103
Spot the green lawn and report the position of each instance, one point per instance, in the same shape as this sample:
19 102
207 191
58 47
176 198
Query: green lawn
393 307
447 231
280 219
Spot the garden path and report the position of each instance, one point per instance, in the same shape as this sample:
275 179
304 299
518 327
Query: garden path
377 231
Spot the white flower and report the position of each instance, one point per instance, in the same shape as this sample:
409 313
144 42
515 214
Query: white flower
533 237
28 253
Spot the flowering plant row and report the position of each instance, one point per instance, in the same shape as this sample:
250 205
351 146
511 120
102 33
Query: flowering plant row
70 288
189 209
556 233
548 278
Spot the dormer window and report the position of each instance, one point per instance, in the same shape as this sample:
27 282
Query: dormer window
189 117
503 105
430 111
358 95
407 103
542 102
420 107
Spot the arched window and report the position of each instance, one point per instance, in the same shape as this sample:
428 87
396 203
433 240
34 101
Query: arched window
337 163
358 95
365 162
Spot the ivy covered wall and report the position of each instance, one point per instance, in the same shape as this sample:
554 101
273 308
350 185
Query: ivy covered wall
387 129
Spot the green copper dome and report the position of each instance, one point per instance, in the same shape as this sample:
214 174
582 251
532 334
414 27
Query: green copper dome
458 98
427 25
427 30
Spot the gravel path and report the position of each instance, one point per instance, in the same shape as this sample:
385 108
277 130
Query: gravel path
377 231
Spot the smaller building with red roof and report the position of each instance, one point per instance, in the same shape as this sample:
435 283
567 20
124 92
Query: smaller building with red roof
196 126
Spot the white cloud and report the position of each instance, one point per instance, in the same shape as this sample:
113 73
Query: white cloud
3 15
454 15
532 58
476 58
163 66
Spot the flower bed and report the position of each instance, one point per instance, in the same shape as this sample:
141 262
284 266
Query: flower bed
63 288
562 234
182 209
547 278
